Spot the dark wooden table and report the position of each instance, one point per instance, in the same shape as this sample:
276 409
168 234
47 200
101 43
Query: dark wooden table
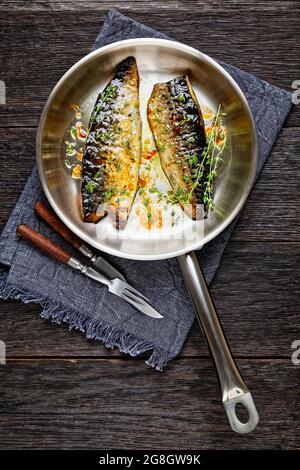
59 390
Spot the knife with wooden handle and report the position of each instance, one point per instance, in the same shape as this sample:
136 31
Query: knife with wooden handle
49 216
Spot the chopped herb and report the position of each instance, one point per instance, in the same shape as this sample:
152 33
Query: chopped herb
182 99
155 116
141 191
185 119
124 192
104 137
73 132
190 140
146 202
186 178
109 92
174 197
91 186
98 174
108 194
149 217
160 147
193 159
127 144
153 190
70 149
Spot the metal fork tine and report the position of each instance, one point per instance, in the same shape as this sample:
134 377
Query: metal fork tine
140 304
135 297
131 289
129 299
122 289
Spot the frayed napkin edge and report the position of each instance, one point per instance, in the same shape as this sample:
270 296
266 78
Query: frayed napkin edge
110 336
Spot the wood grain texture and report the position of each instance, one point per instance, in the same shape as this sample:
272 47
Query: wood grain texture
60 390
260 37
115 404
47 214
256 292
44 244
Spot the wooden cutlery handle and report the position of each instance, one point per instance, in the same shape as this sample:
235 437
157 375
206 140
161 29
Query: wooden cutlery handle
49 216
44 244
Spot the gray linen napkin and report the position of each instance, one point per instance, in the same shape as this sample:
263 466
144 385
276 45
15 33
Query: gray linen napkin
68 297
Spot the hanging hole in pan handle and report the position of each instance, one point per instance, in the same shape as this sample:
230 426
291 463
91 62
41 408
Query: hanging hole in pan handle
247 402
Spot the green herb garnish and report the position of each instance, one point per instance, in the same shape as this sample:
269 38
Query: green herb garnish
124 192
160 147
104 138
70 149
150 217
98 174
193 159
153 190
156 117
108 194
184 120
186 178
211 156
73 132
174 197
109 92
91 186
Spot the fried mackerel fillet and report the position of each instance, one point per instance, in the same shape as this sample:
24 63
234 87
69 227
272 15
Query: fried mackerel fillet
113 147
177 124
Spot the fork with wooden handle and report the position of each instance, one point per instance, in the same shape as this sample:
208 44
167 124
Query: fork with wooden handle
116 286
49 216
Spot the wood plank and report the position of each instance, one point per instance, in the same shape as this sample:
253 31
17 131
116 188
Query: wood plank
258 312
143 5
270 214
271 211
79 394
32 62
122 404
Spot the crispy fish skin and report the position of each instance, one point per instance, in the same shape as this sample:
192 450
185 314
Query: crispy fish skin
113 147
177 124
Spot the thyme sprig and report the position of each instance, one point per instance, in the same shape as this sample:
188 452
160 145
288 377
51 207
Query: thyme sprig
211 157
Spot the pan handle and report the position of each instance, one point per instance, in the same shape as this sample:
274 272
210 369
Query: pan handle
233 388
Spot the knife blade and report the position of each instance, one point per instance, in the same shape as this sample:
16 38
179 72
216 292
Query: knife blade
99 263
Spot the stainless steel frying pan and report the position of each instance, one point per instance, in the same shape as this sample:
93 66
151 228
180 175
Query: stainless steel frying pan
160 60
